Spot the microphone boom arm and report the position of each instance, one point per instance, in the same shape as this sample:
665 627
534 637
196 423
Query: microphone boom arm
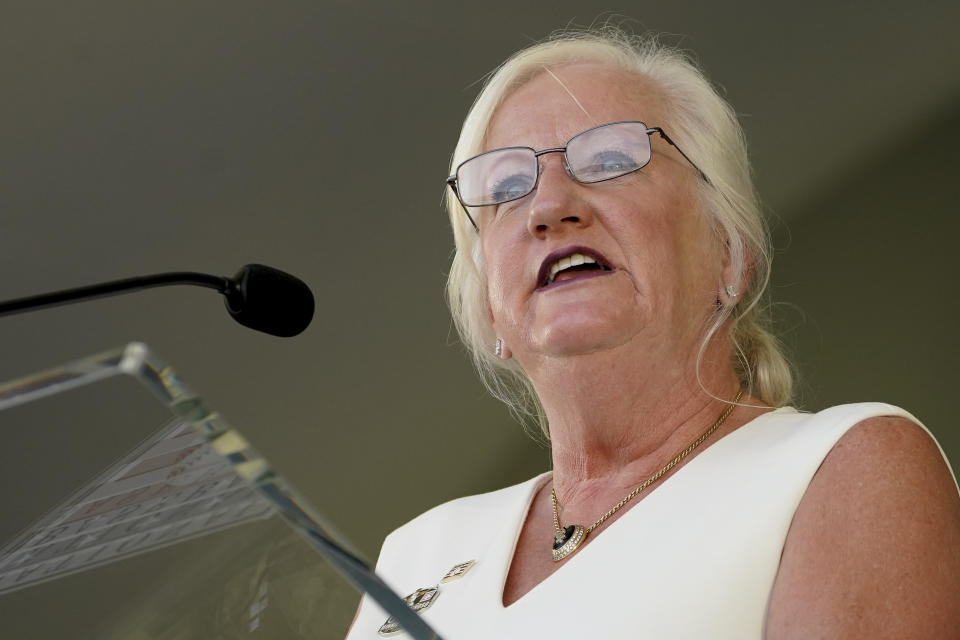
226 286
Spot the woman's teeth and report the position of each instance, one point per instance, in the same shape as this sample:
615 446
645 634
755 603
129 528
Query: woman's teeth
573 260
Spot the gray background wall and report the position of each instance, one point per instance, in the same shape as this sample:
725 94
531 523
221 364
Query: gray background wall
144 137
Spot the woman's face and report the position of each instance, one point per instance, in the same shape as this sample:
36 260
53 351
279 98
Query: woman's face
665 263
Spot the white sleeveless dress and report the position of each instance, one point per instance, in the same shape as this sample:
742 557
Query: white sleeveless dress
696 558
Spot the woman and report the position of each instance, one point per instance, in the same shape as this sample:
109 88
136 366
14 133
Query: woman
610 263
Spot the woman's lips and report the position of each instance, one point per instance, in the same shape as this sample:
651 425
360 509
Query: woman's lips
575 276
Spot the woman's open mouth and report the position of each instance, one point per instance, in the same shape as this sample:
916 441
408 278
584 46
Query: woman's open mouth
575 263
570 264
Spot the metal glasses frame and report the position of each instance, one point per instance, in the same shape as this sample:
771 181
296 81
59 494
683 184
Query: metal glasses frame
452 179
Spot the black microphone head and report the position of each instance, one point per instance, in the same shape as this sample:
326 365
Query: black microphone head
269 300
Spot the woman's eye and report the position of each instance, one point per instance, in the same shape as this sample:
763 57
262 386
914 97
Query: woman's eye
512 187
611 162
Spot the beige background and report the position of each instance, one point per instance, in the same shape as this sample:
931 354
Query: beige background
315 136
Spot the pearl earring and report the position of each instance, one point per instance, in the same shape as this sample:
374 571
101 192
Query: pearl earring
731 291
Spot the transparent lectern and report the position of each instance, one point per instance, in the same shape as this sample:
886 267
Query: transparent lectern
130 509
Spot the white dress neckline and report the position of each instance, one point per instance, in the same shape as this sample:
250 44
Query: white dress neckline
505 551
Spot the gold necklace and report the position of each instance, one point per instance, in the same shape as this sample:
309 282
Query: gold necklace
568 539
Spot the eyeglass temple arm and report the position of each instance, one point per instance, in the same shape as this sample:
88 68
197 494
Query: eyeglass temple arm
452 183
685 157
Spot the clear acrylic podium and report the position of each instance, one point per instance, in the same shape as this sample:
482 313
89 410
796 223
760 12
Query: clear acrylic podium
129 509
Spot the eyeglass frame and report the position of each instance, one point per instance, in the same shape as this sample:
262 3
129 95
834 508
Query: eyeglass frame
452 179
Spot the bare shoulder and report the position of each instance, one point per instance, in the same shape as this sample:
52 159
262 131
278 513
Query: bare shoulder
874 547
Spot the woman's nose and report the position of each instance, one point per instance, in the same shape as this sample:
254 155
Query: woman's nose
557 202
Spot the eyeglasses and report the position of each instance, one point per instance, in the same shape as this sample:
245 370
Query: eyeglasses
600 153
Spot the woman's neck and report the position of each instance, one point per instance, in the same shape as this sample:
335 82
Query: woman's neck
613 423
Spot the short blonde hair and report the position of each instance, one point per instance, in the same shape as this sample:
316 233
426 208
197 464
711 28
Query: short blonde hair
705 126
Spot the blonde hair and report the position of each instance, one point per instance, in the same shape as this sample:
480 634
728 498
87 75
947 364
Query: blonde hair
705 126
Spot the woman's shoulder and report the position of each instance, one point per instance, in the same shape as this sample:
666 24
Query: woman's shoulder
874 546
883 456
839 417
826 430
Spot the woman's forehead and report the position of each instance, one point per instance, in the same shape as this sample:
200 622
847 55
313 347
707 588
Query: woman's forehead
559 102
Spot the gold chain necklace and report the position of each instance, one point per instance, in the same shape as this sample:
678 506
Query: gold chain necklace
568 539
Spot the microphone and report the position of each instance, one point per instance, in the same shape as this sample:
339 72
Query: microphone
258 297
270 300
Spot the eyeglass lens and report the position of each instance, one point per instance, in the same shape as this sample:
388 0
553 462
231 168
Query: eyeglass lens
595 155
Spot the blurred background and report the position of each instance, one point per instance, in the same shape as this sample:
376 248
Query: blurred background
138 138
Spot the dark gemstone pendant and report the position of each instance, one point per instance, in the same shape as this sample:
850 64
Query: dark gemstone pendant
567 541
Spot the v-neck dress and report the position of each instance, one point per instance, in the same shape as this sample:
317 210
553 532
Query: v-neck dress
696 558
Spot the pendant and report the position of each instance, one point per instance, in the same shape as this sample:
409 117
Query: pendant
567 541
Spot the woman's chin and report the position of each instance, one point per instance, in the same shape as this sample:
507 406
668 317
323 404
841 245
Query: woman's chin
580 338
